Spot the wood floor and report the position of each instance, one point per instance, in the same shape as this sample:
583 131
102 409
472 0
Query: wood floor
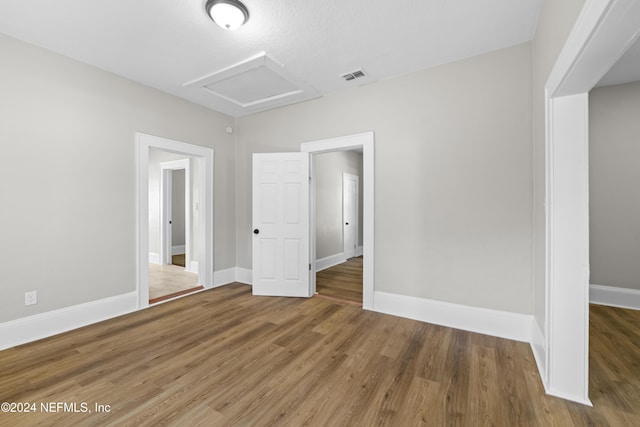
167 280
614 363
179 260
342 281
223 357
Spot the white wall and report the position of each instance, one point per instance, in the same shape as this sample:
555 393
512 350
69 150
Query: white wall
556 21
68 217
614 185
452 175
328 169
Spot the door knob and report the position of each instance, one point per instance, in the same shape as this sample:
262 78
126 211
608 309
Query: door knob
256 231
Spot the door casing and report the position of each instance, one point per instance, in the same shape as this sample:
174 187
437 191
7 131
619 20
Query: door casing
203 161
602 33
364 142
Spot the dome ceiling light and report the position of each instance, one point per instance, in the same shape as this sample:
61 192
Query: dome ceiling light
228 14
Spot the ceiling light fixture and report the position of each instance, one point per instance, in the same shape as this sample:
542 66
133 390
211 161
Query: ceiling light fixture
229 14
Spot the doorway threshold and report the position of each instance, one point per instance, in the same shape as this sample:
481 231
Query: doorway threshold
175 294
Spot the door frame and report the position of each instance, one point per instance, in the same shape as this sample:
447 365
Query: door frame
166 210
602 33
356 223
203 164
364 141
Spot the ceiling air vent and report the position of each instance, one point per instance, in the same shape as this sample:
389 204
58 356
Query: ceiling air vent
353 75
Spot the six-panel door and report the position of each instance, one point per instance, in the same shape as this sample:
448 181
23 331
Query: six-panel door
281 224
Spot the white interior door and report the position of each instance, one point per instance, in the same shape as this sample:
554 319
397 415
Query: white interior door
281 261
350 214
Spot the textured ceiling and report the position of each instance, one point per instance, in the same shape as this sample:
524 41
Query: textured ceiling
169 43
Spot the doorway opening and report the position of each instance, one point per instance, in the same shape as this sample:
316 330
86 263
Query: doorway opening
178 216
157 158
338 206
603 32
361 266
175 211
170 217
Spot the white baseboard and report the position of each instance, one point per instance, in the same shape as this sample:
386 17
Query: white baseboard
614 297
501 324
154 258
330 261
224 277
244 275
54 322
359 250
178 250
32 328
538 346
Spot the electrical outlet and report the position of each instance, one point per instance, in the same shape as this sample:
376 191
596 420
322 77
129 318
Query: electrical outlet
31 298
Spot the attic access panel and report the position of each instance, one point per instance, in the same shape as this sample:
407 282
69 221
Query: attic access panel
256 84
253 87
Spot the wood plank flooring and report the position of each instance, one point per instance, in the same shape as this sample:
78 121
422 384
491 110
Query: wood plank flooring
169 279
223 357
342 281
179 260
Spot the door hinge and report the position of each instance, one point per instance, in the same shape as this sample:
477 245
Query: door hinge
309 267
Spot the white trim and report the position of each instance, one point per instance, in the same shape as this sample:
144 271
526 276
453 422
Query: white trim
614 296
178 250
496 323
224 277
193 267
330 261
154 258
244 275
365 141
567 310
54 322
603 31
359 251
538 349
204 163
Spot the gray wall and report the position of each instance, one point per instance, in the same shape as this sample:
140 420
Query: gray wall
178 231
556 20
68 218
328 170
452 175
614 185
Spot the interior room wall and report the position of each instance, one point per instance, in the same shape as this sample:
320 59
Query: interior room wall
178 231
556 21
68 141
614 185
452 175
328 169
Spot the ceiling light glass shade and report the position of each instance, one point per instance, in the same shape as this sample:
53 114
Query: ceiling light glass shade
229 14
